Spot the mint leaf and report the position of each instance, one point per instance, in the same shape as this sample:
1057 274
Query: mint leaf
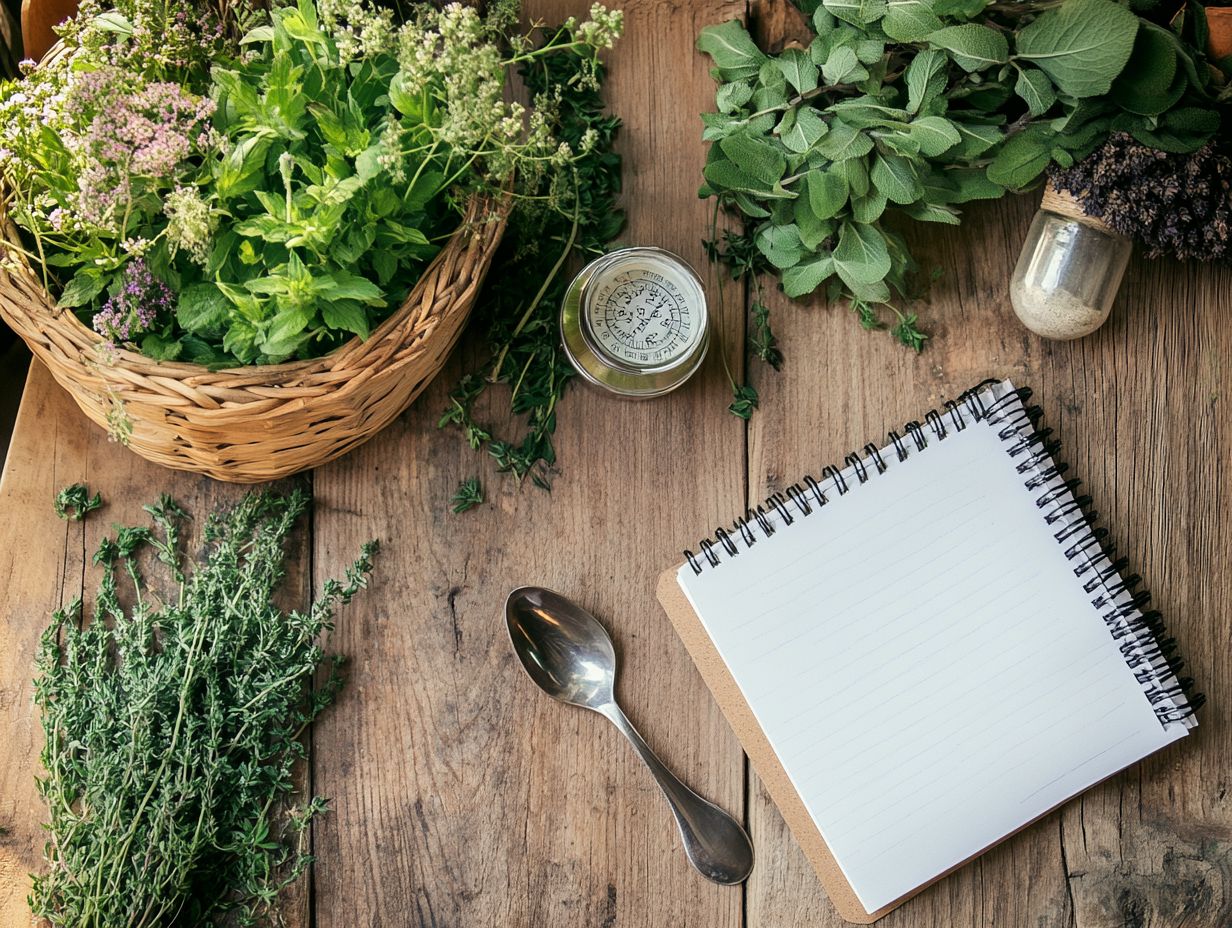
345 316
86 284
974 47
201 308
732 50
1082 45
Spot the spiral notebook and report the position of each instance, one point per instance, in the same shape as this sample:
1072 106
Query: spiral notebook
928 648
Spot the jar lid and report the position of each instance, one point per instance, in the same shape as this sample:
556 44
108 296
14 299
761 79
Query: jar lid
635 322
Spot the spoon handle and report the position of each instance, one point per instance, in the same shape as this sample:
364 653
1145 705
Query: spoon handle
714 841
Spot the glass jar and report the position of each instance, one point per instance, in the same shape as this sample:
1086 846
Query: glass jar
635 323
1069 271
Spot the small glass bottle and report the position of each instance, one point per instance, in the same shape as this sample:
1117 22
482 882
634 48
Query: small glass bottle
1069 271
635 322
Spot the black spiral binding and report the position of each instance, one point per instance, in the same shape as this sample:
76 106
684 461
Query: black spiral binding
1141 635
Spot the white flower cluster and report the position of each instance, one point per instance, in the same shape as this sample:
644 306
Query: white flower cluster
358 28
191 223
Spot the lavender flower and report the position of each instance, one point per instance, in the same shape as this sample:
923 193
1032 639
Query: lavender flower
1180 205
141 304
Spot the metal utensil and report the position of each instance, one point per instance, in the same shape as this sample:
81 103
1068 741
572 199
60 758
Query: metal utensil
570 656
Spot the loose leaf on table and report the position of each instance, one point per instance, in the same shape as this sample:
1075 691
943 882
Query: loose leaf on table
1082 45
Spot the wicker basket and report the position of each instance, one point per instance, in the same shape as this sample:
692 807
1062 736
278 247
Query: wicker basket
251 424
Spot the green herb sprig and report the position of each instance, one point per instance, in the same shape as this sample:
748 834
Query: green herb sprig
558 222
74 503
172 727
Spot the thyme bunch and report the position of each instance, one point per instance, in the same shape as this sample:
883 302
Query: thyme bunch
561 220
172 726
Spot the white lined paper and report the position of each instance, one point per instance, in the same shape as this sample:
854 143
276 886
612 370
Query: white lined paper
924 663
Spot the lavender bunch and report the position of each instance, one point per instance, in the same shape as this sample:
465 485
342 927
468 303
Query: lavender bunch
1178 205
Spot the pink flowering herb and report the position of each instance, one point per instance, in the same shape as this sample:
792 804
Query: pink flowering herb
135 133
142 304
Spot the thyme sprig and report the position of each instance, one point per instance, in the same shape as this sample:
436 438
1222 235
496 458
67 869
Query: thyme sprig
173 725
562 220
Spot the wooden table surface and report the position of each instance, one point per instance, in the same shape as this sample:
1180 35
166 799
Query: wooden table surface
462 798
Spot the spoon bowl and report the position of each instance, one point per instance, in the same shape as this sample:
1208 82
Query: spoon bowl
563 647
569 655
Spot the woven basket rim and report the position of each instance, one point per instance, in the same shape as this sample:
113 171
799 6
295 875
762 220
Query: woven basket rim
481 208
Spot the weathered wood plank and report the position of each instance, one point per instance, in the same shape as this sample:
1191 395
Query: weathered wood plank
463 796
1139 405
45 563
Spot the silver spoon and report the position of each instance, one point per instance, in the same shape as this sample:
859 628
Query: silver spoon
570 656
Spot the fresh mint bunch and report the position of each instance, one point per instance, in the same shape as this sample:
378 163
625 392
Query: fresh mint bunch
914 108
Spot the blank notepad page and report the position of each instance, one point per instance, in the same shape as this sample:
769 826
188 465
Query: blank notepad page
925 664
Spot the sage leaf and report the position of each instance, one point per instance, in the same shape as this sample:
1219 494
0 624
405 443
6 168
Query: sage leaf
807 276
843 67
935 135
843 142
732 96
910 20
974 47
780 244
925 79
1021 159
1082 45
1148 84
976 139
825 192
856 12
861 255
896 178
806 130
932 212
798 69
732 50
1036 90
756 157
855 172
869 207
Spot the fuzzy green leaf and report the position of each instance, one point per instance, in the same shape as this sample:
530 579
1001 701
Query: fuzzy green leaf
806 130
798 69
826 193
973 46
896 178
843 142
732 50
935 135
910 20
861 255
1036 90
925 79
1082 45
1021 160
756 157
807 276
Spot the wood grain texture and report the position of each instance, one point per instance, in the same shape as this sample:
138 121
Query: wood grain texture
462 795
44 563
1141 408
463 798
